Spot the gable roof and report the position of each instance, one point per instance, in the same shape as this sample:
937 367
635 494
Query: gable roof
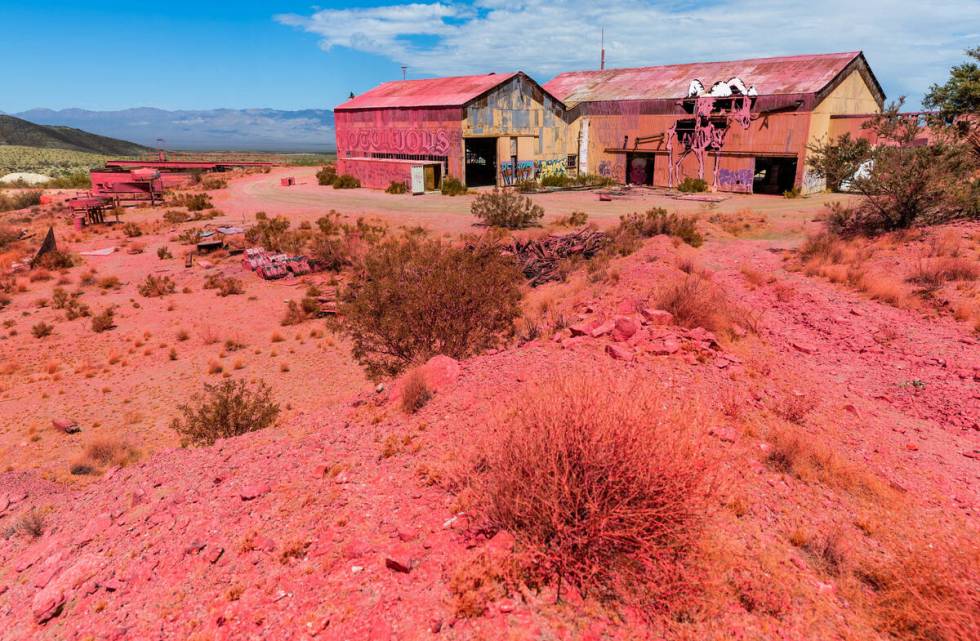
452 91
807 74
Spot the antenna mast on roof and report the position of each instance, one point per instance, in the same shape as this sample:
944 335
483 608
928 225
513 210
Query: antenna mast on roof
602 55
404 69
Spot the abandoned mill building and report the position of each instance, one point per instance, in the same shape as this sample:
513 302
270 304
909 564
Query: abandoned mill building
742 125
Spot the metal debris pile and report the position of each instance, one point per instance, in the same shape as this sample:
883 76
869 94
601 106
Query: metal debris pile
540 259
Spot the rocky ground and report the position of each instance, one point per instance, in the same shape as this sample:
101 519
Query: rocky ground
340 523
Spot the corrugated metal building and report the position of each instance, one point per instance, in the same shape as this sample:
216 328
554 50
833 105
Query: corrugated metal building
647 125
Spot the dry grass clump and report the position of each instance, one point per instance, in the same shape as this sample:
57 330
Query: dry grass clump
807 458
104 320
155 286
226 409
604 482
928 588
107 452
415 392
226 285
933 273
32 523
658 221
741 222
42 330
695 301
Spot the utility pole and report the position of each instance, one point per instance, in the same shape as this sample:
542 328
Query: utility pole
602 55
404 69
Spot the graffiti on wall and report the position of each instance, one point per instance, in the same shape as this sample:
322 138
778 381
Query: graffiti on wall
524 170
735 179
408 141
812 183
615 169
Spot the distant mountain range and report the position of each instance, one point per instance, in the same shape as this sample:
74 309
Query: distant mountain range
211 130
16 131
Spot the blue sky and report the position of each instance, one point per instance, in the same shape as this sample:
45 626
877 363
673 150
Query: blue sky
176 54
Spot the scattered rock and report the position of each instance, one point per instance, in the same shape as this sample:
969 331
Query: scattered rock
66 425
624 328
500 545
618 352
657 316
254 491
398 560
603 329
804 347
48 603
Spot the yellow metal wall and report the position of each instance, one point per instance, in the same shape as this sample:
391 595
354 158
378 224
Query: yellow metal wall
852 96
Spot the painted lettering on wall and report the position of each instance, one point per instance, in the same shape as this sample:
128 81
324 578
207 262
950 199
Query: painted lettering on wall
407 141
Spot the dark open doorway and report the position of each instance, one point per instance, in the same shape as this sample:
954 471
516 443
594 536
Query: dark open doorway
774 175
639 169
481 162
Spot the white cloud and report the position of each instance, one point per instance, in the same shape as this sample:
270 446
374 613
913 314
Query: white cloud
909 45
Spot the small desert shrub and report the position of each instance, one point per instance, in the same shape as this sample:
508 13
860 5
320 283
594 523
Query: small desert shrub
56 259
823 246
415 392
209 184
132 230
174 216
417 297
111 452
529 186
21 200
695 301
838 160
109 282
103 321
327 175
8 235
163 253
192 202
692 185
557 180
31 523
226 285
346 181
657 221
155 286
227 409
507 209
793 193
452 186
41 330
604 480
574 219
397 187
295 314
594 180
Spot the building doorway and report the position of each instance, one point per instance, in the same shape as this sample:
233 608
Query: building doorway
774 175
639 169
481 161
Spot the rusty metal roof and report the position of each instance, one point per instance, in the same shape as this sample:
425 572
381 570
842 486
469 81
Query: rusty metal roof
454 91
784 75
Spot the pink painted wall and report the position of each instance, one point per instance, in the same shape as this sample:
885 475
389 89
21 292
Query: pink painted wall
420 133
377 174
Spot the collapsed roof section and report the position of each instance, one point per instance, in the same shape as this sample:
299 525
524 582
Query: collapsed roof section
806 74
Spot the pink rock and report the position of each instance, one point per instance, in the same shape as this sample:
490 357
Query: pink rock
438 372
65 425
618 352
725 434
665 347
569 343
657 316
804 347
255 490
625 328
603 329
399 560
48 603
500 545
506 606
406 534
584 328
626 307
214 553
